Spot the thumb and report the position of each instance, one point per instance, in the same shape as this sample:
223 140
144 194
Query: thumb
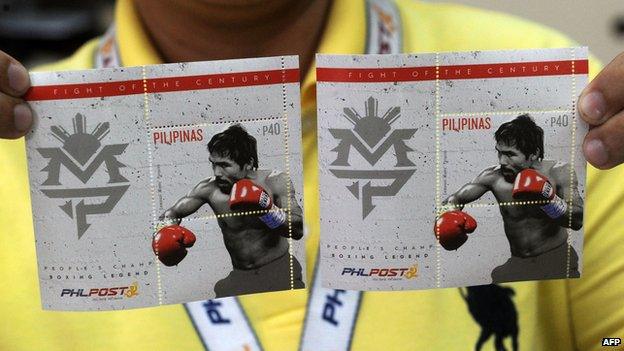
601 105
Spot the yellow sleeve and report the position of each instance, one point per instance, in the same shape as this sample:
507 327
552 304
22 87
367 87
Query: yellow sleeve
597 299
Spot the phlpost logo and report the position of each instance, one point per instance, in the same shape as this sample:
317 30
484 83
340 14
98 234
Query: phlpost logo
393 273
118 292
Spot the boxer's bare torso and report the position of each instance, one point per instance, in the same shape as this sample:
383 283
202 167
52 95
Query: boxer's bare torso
250 243
529 230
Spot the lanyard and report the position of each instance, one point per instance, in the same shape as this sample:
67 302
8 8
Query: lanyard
331 314
107 55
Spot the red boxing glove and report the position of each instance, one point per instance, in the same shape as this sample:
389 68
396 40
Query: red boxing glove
451 229
248 196
530 185
170 244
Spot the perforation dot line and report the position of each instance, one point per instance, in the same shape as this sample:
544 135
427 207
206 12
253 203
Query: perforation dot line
437 167
146 116
288 179
206 124
570 200
510 112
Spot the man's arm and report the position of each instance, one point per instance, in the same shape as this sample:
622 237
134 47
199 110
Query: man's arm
471 191
279 186
188 204
568 191
171 241
453 225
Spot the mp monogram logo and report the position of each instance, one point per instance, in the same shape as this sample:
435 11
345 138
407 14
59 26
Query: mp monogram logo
82 154
372 137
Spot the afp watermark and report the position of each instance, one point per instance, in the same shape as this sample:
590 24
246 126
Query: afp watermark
613 342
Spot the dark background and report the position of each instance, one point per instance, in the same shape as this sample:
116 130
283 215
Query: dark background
40 31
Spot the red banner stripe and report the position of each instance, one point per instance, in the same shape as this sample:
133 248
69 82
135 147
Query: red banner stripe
84 90
375 75
161 85
515 69
476 71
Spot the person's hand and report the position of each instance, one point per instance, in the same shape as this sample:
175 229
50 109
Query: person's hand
601 105
15 115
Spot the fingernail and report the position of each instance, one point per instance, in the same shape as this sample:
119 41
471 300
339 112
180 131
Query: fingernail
18 77
596 152
593 105
22 117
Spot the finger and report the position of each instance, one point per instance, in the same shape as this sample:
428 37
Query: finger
15 117
604 145
603 98
14 80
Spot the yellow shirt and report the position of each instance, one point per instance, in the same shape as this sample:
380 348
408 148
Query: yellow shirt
552 315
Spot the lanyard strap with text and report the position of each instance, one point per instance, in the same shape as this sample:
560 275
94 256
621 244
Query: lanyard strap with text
332 314
221 324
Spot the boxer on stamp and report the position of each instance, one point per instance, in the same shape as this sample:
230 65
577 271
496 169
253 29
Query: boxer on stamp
258 242
536 232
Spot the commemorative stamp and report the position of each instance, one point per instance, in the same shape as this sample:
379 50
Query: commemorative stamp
165 184
450 169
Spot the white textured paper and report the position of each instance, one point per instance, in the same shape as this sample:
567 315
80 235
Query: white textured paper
399 134
137 137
